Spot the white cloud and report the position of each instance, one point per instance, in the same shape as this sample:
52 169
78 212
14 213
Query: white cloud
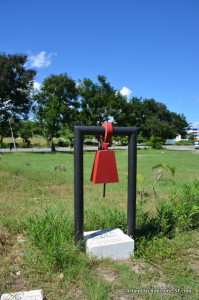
42 59
125 91
36 85
194 125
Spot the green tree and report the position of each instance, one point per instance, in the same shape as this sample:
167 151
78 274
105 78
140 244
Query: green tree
56 104
16 83
26 131
154 119
99 102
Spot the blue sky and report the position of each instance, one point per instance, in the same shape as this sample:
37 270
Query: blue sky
147 47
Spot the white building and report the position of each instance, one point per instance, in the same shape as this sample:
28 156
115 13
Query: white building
194 132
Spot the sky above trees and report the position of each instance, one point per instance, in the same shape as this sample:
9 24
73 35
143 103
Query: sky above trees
145 48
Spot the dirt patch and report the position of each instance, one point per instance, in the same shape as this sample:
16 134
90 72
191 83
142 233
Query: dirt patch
14 282
108 274
142 268
5 239
193 251
125 296
194 267
75 293
162 285
11 264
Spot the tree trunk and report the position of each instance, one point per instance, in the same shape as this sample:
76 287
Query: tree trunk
52 146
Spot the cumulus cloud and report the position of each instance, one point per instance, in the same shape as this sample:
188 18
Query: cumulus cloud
125 91
40 60
36 85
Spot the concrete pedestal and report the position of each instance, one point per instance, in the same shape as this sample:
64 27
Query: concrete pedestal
29 295
109 243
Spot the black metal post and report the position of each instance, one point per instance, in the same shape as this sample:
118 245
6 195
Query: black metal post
79 132
78 185
104 190
132 170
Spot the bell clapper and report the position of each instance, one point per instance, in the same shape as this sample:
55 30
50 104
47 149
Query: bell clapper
104 190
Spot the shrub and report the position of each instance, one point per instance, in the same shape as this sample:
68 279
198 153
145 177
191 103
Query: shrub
156 142
188 206
183 143
63 143
124 141
26 144
162 166
4 145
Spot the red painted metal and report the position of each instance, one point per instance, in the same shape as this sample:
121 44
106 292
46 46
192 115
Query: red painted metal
107 137
104 167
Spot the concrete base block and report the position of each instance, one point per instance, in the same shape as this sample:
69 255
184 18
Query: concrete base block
29 295
109 243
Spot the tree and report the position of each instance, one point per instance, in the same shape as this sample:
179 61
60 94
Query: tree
99 102
16 84
154 119
26 132
56 104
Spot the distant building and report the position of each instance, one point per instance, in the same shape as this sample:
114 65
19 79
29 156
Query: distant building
194 132
191 131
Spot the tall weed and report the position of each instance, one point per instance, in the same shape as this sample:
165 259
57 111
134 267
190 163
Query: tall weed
52 233
173 215
105 218
188 206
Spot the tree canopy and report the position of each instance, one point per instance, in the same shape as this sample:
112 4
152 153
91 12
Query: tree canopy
154 119
16 83
100 102
61 104
56 104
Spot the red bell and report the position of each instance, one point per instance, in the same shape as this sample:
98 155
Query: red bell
104 167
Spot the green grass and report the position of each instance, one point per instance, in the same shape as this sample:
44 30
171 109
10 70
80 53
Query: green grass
37 205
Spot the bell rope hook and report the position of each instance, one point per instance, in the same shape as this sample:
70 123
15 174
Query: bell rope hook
104 166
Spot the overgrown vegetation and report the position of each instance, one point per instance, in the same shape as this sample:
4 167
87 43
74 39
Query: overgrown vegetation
37 208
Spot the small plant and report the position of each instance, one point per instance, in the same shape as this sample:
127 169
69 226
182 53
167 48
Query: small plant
166 217
162 166
140 184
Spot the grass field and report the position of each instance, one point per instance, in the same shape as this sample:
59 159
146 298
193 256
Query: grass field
36 227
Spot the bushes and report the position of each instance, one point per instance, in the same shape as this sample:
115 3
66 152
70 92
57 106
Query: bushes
188 206
8 145
183 143
156 142
62 143
173 215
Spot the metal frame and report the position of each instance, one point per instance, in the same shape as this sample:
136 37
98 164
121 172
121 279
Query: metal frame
79 132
